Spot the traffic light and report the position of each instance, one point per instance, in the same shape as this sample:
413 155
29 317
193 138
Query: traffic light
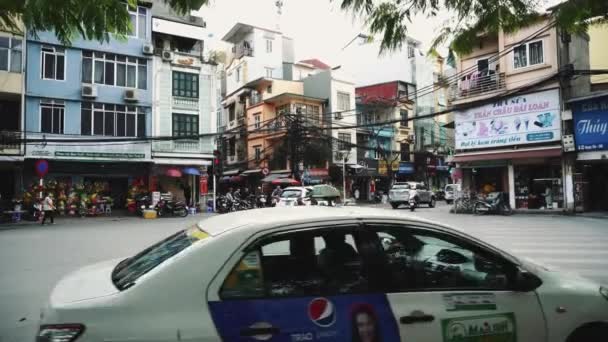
217 163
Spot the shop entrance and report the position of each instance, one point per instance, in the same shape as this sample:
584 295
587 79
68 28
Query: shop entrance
596 176
539 186
489 179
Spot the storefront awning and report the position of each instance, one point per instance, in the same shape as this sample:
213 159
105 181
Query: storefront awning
230 172
274 176
249 172
510 154
356 166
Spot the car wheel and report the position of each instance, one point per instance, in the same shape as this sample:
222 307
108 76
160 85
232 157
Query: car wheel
589 333
476 210
395 205
448 201
432 203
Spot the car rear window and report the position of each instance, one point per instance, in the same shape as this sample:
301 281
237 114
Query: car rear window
127 272
291 193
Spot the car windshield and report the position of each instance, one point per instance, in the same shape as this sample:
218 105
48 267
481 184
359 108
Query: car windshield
127 272
401 186
450 188
291 193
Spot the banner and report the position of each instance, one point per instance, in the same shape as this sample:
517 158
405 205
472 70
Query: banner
524 119
591 124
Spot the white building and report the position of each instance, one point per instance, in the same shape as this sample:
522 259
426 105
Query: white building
184 100
339 88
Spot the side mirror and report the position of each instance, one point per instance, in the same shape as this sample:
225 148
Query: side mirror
525 281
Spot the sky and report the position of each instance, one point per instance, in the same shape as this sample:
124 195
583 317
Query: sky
318 27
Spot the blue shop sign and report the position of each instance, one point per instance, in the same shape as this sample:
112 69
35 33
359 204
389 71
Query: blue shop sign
591 124
406 168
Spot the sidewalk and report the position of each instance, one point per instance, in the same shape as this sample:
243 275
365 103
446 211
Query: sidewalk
593 214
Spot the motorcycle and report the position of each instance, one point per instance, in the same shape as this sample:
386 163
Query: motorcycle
142 203
494 203
412 203
165 207
378 196
261 201
223 205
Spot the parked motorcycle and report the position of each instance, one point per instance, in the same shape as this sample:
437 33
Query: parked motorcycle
223 205
261 201
142 203
378 196
166 208
494 203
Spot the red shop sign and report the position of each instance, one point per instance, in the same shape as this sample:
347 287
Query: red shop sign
203 185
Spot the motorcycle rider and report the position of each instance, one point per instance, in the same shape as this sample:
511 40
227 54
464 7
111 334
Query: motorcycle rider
229 195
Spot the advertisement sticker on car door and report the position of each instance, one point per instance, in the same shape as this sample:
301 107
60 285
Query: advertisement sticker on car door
487 328
336 318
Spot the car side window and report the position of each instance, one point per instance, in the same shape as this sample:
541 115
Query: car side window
306 263
424 260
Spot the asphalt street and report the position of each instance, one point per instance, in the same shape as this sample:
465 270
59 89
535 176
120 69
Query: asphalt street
33 258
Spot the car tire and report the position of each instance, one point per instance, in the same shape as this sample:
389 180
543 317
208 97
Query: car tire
395 205
589 333
449 201
432 203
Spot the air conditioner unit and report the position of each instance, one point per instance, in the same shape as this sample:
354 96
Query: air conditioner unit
568 142
167 55
130 95
148 49
89 90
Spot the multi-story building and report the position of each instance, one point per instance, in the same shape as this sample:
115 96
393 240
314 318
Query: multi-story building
590 128
256 52
91 91
184 100
269 115
383 151
11 114
509 115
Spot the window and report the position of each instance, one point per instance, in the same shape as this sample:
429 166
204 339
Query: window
343 101
257 121
232 112
114 70
112 120
185 84
405 152
185 125
129 270
528 54
321 262
418 260
257 152
269 72
138 16
268 45
52 61
10 54
52 116
411 52
269 89
237 74
344 142
404 115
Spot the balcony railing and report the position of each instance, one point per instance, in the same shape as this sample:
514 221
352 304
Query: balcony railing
10 142
185 103
480 83
243 51
179 146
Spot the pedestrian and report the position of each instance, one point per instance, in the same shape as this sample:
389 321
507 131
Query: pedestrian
49 208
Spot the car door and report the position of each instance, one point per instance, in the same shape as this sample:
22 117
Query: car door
300 285
442 287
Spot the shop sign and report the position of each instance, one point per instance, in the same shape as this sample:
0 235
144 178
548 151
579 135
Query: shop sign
406 168
106 155
591 124
203 185
519 120
383 169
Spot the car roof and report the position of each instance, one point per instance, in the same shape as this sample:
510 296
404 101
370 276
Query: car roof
258 219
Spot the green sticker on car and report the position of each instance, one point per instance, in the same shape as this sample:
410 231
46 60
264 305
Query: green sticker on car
486 328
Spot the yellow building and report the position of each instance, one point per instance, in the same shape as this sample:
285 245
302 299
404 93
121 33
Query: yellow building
598 55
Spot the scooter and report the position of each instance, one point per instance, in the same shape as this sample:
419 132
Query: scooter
223 205
164 208
412 204
261 201
494 203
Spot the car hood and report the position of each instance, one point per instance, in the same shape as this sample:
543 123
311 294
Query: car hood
89 282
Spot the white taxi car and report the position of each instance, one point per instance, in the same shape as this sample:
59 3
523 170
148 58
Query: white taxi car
315 273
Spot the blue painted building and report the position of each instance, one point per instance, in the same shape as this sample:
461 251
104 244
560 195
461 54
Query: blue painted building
95 91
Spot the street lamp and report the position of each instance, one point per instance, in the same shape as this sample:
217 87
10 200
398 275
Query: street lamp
360 35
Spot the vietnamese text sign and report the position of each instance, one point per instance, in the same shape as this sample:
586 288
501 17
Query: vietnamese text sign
524 119
591 124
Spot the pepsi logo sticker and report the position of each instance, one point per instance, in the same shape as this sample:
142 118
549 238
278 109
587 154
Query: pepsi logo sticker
322 312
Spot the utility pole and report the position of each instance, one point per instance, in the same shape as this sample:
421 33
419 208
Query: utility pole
295 142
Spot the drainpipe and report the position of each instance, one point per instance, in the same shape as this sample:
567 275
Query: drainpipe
23 125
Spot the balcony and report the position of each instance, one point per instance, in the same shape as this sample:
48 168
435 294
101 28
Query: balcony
10 142
241 52
179 146
187 103
480 84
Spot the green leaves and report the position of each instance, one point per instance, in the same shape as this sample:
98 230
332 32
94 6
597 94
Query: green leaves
471 19
70 19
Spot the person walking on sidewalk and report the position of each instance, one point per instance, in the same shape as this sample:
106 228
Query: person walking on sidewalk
49 209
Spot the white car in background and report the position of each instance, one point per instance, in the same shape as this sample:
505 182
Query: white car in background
294 194
298 274
450 192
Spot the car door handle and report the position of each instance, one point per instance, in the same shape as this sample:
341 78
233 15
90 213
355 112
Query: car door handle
416 319
259 331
